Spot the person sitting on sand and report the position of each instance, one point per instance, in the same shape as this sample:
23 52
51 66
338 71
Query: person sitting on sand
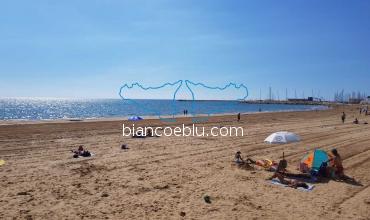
238 158
336 164
81 152
355 121
289 182
243 164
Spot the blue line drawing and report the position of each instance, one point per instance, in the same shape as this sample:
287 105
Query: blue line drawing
202 119
195 118
153 88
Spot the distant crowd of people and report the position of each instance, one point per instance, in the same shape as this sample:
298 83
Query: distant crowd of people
355 121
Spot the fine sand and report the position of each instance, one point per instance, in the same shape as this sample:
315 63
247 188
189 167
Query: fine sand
168 177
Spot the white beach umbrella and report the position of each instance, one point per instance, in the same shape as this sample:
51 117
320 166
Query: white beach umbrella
282 137
135 118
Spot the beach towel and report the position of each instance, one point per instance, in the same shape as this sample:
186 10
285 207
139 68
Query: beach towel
2 162
91 155
277 182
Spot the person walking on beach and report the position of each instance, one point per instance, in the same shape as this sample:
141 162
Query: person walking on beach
343 117
238 117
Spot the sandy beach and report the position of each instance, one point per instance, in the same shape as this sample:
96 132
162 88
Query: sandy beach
167 177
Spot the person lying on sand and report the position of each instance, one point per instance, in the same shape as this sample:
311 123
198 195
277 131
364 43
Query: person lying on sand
289 182
138 134
142 134
280 175
355 121
271 165
81 152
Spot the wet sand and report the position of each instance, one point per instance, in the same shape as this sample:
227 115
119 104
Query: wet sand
167 177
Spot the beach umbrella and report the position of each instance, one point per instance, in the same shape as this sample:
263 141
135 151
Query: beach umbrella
313 161
282 137
135 118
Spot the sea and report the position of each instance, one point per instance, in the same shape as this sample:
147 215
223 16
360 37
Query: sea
68 109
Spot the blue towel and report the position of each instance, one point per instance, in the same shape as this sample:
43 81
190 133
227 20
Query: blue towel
277 182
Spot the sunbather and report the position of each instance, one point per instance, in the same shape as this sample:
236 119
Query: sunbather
289 182
144 134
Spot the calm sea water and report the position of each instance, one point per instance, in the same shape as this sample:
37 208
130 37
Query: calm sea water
52 109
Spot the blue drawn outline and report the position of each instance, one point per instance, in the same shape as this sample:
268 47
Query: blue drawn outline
187 82
200 119
148 88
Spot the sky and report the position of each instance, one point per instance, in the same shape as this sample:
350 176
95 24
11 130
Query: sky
88 49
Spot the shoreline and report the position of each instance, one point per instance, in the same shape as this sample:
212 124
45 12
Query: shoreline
147 117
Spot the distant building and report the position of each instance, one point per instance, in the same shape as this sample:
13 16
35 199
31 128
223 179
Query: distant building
298 100
313 99
309 99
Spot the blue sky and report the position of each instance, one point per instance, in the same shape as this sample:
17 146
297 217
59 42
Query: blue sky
88 49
